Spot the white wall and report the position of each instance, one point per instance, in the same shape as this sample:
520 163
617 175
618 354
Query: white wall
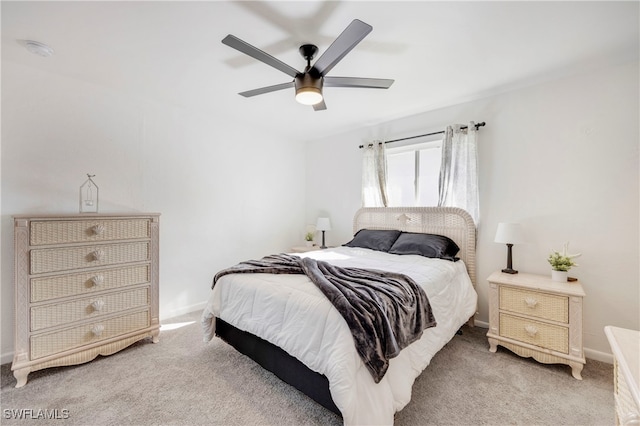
560 157
221 201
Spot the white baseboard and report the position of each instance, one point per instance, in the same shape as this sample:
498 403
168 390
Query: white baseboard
6 358
168 314
588 353
598 356
481 324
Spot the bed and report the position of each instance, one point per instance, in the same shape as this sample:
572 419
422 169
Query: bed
286 324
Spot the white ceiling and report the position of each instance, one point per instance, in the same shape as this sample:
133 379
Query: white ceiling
439 53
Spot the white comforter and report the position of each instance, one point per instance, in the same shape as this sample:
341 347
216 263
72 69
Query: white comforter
291 312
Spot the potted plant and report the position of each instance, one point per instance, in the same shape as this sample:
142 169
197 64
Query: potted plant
561 263
308 238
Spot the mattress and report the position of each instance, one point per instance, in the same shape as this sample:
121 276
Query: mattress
291 312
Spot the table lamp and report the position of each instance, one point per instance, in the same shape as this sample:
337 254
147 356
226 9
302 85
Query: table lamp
509 234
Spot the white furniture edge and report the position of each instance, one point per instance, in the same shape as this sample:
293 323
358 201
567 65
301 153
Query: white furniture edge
616 335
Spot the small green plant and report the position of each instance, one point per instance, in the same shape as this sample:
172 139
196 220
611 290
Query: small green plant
309 236
562 261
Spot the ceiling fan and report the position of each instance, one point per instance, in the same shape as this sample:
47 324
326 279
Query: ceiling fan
309 84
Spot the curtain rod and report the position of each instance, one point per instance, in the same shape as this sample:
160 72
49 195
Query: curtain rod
426 134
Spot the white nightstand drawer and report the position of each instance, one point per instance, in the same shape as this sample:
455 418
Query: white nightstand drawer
536 333
59 341
47 288
64 259
79 231
56 314
533 303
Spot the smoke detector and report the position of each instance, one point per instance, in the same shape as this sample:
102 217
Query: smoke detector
38 48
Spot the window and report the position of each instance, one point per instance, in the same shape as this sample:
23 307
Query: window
413 172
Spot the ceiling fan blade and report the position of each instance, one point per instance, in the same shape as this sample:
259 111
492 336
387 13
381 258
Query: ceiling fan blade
350 37
372 83
254 52
320 106
267 89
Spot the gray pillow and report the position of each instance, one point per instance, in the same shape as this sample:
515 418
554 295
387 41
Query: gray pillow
374 239
428 245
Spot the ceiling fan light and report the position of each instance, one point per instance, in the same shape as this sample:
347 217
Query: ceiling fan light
308 89
308 95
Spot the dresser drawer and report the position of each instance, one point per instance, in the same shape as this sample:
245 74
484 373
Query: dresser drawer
70 338
77 310
68 258
536 333
48 288
79 231
533 303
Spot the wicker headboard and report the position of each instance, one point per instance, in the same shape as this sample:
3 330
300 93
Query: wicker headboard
452 222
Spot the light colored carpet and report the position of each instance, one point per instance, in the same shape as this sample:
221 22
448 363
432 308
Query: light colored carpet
182 381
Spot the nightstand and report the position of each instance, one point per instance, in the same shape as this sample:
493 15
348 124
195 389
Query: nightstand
304 249
533 316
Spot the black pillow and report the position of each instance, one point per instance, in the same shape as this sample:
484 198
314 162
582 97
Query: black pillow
374 239
428 245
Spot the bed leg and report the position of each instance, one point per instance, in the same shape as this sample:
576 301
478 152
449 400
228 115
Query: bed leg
471 322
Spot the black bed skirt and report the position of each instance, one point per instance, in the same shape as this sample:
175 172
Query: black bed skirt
288 368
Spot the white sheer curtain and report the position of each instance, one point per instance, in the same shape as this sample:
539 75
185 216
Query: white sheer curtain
459 169
374 175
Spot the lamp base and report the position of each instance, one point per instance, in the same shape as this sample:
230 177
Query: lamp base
509 269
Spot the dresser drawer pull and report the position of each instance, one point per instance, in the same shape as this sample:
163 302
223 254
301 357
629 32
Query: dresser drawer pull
98 255
97 330
530 330
97 305
97 280
97 229
531 302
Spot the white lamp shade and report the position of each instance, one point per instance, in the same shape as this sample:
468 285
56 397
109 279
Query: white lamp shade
323 224
509 233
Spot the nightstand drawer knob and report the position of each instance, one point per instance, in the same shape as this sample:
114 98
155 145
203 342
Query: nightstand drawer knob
97 330
531 302
530 330
97 305
97 255
97 229
97 280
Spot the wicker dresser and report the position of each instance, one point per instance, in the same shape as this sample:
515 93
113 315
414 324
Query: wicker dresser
625 345
536 317
85 285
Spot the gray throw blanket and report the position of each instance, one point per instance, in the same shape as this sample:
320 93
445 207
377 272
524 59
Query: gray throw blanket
385 311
